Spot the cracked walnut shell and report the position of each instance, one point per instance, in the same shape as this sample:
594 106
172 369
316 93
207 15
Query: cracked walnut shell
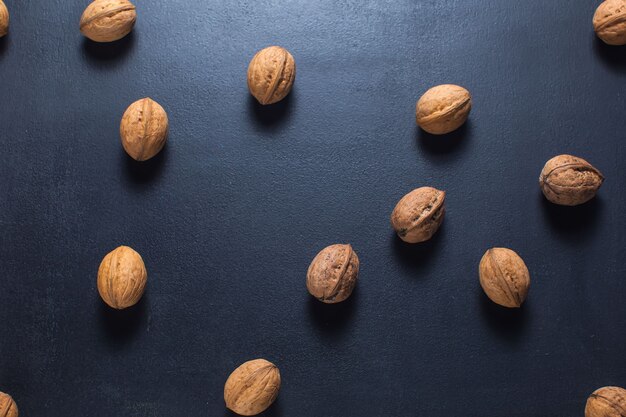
333 273
569 181
252 387
443 109
609 22
108 20
504 277
271 74
4 20
8 408
144 129
418 215
122 278
606 402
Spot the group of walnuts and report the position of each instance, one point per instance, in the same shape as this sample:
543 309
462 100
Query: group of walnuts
332 275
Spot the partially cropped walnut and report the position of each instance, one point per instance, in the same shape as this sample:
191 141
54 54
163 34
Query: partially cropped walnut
504 277
418 215
252 387
609 22
606 402
108 20
271 74
443 109
332 275
144 129
569 181
4 19
8 408
122 278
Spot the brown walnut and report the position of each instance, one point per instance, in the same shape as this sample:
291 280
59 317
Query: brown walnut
333 273
606 402
122 278
418 215
569 181
108 20
252 387
609 22
4 19
504 277
144 129
443 109
271 74
8 408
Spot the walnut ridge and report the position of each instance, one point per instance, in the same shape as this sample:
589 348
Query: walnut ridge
443 109
606 402
108 20
504 277
8 408
333 273
418 215
144 129
569 181
4 19
271 74
252 387
609 22
122 278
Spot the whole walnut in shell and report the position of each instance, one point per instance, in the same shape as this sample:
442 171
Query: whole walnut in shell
504 277
609 22
122 278
443 109
418 215
8 408
252 387
333 273
606 402
4 22
144 129
271 74
108 20
569 181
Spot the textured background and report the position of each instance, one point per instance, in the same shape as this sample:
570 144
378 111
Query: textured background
229 216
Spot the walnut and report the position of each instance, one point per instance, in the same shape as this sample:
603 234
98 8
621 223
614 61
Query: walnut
418 215
271 74
122 278
8 408
108 20
504 277
252 387
569 181
443 109
144 129
4 19
609 22
333 273
606 402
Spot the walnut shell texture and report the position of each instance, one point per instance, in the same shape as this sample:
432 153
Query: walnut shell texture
143 129
252 387
271 74
569 181
418 215
609 22
504 277
4 20
443 109
606 402
8 408
122 278
108 20
333 273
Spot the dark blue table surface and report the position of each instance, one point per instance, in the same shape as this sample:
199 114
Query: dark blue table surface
229 215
